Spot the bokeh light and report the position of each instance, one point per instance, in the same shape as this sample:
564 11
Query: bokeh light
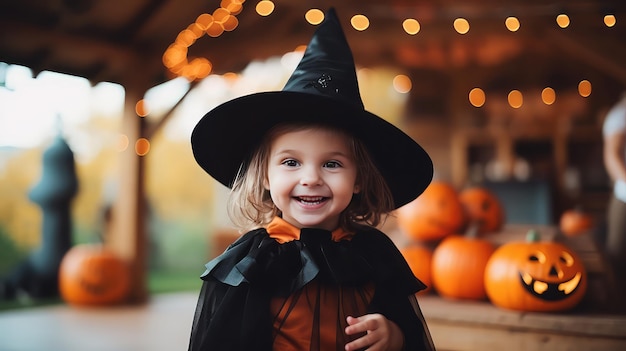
265 7
402 83
477 97
142 146
411 26
512 24
563 20
461 25
584 88
360 22
516 99
314 16
548 96
609 20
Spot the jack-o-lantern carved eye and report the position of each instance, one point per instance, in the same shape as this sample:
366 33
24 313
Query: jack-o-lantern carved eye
537 256
566 259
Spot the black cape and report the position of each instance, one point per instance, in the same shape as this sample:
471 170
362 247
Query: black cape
233 310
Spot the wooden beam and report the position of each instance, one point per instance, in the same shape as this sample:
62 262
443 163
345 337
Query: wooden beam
127 236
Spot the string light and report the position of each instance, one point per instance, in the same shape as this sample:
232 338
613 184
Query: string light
512 23
360 22
584 88
314 16
516 99
142 146
402 83
609 20
265 7
411 26
548 96
224 19
562 20
141 108
461 25
477 97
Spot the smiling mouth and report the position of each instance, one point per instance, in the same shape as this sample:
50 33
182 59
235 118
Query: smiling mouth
311 200
550 291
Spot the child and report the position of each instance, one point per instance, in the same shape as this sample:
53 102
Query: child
312 173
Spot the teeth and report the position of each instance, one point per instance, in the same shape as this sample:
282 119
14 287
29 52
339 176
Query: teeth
570 285
312 200
540 287
527 278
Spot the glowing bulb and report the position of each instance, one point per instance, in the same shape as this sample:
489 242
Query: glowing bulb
461 25
142 146
314 16
609 20
477 97
548 96
584 88
512 24
360 22
265 7
411 26
141 108
402 83
516 99
562 20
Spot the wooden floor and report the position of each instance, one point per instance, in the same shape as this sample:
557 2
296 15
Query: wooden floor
164 324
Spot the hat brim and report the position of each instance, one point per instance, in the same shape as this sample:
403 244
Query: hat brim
228 134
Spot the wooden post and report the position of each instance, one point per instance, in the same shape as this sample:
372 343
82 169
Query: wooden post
127 231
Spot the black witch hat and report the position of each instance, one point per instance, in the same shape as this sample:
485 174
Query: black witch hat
322 89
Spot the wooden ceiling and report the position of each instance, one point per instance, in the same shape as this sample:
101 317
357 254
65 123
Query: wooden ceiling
123 40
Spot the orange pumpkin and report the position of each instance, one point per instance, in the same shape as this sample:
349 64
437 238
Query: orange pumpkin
93 275
535 276
458 267
575 222
484 207
433 215
419 259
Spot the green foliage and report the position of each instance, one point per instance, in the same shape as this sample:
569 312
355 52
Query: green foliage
177 245
173 281
10 253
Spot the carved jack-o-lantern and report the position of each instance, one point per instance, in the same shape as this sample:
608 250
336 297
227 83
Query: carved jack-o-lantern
93 275
482 206
433 215
535 276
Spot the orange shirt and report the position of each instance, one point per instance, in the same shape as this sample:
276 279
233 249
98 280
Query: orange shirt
314 317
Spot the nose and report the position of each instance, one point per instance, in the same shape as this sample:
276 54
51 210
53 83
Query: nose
310 176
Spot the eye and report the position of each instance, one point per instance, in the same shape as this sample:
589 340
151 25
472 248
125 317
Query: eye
332 164
566 259
537 257
290 163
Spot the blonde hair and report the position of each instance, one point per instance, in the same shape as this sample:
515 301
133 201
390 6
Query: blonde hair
250 205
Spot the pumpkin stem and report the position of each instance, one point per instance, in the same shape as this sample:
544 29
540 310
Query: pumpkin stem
533 236
473 229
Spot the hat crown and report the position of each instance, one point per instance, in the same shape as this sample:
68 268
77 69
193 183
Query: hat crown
327 67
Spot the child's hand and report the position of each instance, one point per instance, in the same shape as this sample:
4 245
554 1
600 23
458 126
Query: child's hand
382 334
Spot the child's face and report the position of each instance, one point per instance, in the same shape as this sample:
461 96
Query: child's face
311 177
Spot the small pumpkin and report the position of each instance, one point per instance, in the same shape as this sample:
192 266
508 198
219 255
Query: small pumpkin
483 206
419 259
535 276
91 274
458 266
575 222
436 213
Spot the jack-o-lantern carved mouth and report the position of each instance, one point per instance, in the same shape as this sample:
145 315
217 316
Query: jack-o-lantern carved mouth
550 291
